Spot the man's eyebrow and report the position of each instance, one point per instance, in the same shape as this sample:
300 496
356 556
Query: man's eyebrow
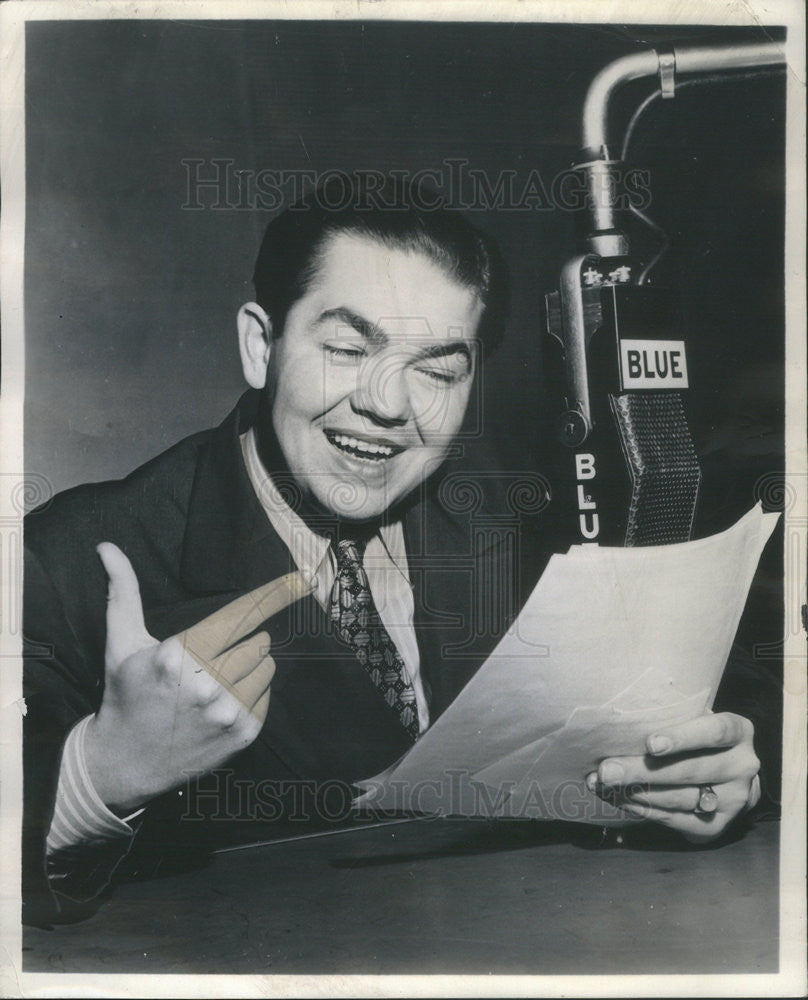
369 331
446 349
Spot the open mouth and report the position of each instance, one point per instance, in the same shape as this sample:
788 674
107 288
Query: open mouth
363 449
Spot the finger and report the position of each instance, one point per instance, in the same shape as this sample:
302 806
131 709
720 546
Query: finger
126 627
710 768
695 826
732 798
245 671
252 688
183 671
240 710
670 797
675 799
721 730
225 627
261 707
754 793
238 662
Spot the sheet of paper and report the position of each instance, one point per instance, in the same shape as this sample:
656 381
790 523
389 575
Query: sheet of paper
611 643
546 779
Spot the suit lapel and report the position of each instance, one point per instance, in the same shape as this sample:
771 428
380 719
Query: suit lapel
453 559
229 544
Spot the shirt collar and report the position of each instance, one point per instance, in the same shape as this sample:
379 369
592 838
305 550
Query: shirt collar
307 548
310 551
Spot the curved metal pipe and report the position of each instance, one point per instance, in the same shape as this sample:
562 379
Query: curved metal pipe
601 89
688 59
708 58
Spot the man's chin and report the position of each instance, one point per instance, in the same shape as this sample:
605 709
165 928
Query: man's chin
357 513
349 502
352 498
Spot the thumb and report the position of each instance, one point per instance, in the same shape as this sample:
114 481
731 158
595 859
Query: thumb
126 628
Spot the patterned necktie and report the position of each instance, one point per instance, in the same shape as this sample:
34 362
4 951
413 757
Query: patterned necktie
360 626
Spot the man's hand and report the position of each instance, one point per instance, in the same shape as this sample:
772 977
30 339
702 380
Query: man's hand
665 785
183 706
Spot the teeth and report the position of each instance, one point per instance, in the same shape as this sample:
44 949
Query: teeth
383 450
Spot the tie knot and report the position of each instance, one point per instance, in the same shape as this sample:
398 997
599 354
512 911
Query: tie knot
350 552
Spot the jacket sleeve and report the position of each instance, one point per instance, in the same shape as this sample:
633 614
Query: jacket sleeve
63 682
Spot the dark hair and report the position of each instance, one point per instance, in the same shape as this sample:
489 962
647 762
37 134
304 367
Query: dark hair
400 216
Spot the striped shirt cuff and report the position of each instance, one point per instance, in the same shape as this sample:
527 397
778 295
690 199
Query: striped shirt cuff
79 816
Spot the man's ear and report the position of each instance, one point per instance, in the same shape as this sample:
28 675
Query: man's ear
255 343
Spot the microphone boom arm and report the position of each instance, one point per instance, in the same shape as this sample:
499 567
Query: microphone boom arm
667 64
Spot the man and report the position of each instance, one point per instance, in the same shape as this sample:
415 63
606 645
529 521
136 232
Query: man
293 598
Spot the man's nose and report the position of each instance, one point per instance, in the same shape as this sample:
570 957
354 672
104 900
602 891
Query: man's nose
382 393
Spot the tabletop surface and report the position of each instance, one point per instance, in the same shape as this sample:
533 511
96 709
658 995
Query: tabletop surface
440 896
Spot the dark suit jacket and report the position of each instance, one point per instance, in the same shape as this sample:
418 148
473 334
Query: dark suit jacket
197 537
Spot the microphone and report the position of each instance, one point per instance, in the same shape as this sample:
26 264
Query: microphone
629 470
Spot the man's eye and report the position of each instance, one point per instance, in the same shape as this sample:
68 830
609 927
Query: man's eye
442 375
343 353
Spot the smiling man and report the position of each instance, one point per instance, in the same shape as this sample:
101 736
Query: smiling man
145 672
369 384
281 606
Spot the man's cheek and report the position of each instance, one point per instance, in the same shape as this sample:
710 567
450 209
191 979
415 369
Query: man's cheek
434 409
444 419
